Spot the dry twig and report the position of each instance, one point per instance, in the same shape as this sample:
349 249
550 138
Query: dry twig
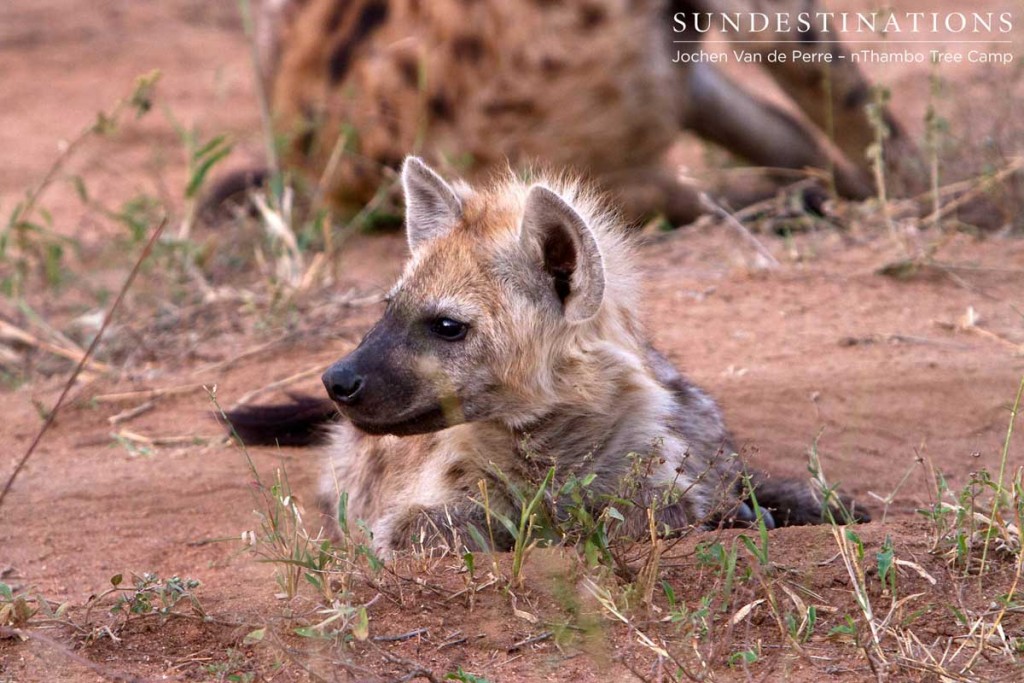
147 394
82 362
279 384
765 256
10 332
131 413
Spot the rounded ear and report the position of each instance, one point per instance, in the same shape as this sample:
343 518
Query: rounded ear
431 206
568 252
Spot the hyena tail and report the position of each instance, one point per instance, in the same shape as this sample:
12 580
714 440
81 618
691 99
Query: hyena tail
796 503
303 422
232 188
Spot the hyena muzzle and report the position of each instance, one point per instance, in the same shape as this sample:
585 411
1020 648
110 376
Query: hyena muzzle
511 345
603 87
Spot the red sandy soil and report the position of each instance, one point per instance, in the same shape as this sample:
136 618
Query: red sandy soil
878 372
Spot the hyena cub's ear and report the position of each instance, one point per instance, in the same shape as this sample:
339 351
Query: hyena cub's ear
568 252
431 206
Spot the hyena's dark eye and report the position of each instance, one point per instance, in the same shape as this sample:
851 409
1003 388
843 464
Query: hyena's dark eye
448 329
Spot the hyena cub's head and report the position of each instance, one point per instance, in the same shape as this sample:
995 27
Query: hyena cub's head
503 289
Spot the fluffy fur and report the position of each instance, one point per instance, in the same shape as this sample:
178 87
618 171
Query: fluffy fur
553 368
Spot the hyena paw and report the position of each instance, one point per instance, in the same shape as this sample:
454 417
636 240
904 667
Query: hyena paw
457 527
743 516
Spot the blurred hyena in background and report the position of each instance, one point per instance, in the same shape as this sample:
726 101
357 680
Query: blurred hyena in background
599 86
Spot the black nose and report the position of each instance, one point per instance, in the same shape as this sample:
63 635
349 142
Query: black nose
344 384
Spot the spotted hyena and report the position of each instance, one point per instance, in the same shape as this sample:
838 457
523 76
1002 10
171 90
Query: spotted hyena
512 345
599 86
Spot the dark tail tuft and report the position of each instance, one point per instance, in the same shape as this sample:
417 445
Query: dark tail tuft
794 503
299 423
231 188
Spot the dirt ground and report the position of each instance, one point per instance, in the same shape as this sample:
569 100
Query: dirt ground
890 378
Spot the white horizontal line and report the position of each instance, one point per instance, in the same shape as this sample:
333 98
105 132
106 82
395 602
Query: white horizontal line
851 42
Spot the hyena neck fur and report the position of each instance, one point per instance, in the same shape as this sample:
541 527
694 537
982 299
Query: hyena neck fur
613 417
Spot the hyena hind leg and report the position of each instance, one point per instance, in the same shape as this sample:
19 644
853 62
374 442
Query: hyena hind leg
719 110
794 503
645 192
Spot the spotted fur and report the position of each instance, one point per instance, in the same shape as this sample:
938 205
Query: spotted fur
582 84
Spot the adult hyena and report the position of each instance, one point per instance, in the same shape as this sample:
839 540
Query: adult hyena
510 345
356 85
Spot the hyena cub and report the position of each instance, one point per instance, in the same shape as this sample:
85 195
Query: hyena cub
512 344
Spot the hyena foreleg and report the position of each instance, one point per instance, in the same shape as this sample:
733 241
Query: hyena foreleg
458 526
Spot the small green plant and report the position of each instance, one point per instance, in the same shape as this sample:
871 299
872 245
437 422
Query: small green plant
233 669
201 156
848 628
301 559
801 628
27 239
759 550
578 524
342 620
697 621
886 557
876 154
984 519
936 129
464 677
138 214
741 659
149 594
524 529
283 541
18 609
715 555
